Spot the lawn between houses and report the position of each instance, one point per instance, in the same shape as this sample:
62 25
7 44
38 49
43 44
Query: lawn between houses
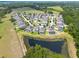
9 45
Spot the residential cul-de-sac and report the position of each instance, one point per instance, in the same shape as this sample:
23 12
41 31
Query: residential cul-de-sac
40 23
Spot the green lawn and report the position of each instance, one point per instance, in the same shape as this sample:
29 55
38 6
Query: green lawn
56 8
34 11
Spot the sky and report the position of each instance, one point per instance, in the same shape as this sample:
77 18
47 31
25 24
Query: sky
39 0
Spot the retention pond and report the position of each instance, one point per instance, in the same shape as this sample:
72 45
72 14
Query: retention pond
55 46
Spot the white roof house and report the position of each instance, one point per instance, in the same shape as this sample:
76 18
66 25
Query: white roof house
39 22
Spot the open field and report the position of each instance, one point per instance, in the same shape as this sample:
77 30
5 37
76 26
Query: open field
9 43
56 8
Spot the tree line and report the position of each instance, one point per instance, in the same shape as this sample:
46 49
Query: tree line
71 18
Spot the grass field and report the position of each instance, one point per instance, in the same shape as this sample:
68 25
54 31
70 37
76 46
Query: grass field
9 45
57 8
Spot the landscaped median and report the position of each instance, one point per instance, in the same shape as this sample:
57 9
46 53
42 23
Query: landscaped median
67 37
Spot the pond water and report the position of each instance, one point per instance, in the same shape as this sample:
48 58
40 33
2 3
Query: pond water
55 46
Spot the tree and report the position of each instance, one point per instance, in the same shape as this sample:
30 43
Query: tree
0 37
39 52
